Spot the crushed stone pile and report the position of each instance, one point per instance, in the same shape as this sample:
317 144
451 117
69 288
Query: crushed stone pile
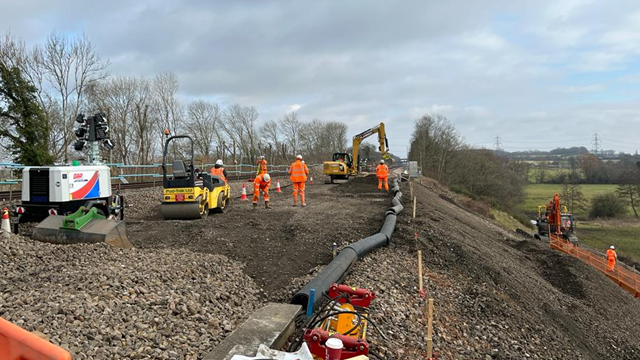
100 302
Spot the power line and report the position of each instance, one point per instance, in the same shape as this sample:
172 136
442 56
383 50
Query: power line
547 142
596 144
498 144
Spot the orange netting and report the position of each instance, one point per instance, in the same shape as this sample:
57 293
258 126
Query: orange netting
622 275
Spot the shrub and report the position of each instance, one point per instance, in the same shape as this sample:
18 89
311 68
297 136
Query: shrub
606 206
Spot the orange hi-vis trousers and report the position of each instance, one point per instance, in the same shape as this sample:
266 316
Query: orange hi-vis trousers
611 264
386 183
256 194
298 187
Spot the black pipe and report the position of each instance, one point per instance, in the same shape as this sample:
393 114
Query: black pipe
332 273
341 264
366 245
388 226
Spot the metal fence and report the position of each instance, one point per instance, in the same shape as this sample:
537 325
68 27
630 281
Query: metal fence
11 177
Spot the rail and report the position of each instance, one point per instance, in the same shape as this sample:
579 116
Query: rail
623 275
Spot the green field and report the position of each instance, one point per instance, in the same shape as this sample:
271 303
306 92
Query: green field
600 235
541 194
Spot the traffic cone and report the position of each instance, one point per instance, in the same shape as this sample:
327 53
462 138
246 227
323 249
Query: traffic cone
6 224
311 179
244 193
278 186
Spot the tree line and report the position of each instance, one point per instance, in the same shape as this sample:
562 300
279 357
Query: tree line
479 173
65 76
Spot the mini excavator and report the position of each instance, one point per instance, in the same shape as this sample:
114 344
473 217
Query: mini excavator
343 165
555 219
188 192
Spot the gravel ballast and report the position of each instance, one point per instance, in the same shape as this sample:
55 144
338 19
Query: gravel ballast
100 302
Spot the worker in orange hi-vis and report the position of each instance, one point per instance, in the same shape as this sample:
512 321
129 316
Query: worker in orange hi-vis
262 183
382 173
262 166
219 171
298 172
612 257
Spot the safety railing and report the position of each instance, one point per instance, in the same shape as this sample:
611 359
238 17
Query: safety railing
623 275
150 172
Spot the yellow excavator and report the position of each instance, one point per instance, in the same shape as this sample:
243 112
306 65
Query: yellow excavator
343 165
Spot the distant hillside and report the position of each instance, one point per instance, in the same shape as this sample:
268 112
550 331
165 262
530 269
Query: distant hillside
556 154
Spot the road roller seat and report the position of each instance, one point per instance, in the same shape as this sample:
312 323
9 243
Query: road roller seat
217 181
179 169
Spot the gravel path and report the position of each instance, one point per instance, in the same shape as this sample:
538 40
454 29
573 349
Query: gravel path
101 302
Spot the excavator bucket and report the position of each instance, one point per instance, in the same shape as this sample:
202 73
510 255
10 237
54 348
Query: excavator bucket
112 232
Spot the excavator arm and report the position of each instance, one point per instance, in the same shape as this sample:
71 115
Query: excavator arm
383 146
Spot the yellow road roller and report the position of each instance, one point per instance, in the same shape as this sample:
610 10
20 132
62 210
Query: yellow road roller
188 192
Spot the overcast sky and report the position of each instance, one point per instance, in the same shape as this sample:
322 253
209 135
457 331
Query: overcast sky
539 74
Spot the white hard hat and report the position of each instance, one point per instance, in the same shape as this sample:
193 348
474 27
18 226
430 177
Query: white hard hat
218 162
261 157
303 161
381 161
612 247
266 177
299 157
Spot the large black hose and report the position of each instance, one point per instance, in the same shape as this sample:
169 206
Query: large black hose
341 264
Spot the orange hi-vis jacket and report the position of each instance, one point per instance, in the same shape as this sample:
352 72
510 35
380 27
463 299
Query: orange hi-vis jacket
219 172
611 255
262 167
259 183
382 171
298 171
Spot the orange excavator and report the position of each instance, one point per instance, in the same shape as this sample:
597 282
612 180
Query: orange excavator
556 220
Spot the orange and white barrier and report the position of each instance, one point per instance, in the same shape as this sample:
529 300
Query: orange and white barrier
6 224
625 277
243 197
19 344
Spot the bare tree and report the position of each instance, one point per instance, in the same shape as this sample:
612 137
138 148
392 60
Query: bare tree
240 126
71 64
572 196
271 137
204 120
291 128
434 144
165 87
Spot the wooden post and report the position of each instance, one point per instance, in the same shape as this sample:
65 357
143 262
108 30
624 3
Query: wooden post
430 330
411 188
420 272
414 207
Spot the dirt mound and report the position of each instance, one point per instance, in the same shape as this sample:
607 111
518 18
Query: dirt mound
275 245
497 295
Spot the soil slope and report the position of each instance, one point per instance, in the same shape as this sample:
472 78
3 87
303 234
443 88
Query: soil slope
497 296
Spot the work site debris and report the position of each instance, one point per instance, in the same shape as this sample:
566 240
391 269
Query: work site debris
100 302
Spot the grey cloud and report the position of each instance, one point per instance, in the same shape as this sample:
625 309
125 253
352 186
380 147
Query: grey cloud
363 61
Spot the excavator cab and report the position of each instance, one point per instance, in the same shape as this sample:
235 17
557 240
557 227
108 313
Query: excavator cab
338 168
